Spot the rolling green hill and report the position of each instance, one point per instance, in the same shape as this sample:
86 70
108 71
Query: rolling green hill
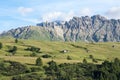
77 51
60 52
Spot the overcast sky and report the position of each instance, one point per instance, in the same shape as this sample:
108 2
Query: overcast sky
17 13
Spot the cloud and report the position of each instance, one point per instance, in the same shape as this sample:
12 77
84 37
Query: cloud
57 16
51 16
65 16
23 11
85 12
113 12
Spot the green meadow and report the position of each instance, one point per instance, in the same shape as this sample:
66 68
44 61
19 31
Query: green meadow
76 50
58 52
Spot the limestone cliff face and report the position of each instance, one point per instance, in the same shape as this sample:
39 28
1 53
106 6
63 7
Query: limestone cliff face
95 28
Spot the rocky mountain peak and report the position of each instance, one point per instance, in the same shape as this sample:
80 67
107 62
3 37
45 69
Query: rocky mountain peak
54 23
98 17
95 28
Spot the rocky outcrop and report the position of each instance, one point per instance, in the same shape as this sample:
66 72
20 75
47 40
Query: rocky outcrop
96 28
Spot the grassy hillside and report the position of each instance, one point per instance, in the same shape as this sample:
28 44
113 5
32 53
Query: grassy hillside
77 51
59 52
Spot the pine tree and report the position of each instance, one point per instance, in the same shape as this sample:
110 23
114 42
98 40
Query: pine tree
1 45
16 40
69 58
53 65
84 60
39 61
14 50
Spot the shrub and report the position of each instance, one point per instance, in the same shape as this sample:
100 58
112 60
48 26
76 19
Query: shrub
33 54
91 56
32 76
36 69
14 68
33 49
13 50
84 61
46 56
69 58
94 60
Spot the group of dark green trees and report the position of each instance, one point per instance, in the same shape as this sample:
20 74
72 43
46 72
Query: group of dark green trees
12 49
84 71
34 50
77 71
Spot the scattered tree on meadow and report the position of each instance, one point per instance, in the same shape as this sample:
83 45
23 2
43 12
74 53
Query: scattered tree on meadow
13 50
53 70
94 60
33 54
53 65
39 62
84 61
91 56
16 40
33 49
1 45
69 58
46 56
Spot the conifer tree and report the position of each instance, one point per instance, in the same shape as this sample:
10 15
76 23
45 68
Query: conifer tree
39 61
16 40
1 45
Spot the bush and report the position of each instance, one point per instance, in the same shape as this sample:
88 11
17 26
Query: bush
32 76
69 58
33 54
13 68
36 69
94 60
91 56
13 50
33 49
46 56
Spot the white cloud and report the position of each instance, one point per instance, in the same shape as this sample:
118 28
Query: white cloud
69 15
85 12
66 16
51 16
23 11
57 16
113 12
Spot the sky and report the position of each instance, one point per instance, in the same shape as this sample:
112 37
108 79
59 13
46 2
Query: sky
19 13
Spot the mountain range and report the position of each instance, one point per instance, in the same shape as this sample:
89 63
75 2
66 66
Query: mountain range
89 29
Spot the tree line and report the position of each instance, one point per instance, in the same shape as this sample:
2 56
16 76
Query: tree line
77 71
